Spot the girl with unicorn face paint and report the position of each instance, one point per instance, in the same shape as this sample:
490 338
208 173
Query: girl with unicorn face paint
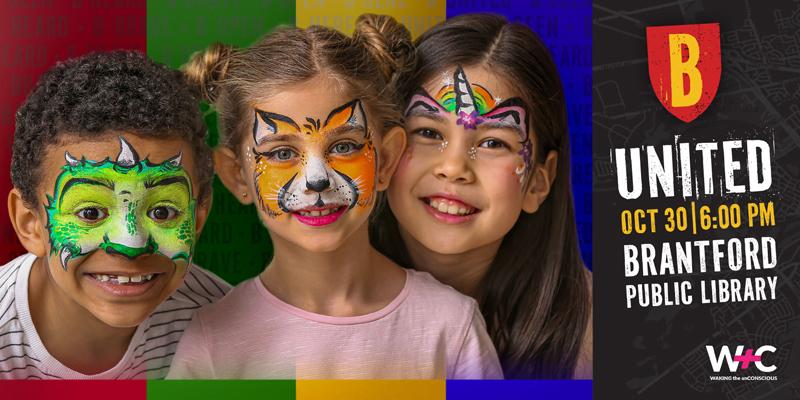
481 198
312 138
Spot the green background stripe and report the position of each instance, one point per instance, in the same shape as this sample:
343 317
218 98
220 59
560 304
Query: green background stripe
234 244
221 389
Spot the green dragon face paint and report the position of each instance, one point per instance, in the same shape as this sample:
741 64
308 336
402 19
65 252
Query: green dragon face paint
125 207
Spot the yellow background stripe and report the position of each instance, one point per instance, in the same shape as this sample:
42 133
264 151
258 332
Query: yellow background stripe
371 389
417 15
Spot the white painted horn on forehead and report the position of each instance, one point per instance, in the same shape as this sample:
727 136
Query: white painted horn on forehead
176 161
127 155
71 161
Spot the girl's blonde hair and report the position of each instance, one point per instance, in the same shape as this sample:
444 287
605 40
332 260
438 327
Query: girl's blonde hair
366 65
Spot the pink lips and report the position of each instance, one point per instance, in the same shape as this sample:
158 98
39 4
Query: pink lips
320 221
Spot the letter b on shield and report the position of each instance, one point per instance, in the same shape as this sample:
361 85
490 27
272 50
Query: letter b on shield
685 64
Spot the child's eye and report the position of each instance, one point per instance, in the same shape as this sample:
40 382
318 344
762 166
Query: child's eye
493 144
428 133
92 214
162 213
283 154
344 147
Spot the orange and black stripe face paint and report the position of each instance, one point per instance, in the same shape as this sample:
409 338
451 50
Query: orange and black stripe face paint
314 170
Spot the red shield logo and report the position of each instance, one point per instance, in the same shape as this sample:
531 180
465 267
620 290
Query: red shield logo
685 64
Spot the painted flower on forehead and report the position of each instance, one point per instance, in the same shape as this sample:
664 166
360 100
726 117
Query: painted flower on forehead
470 121
127 207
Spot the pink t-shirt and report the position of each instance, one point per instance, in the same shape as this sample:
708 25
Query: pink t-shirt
430 331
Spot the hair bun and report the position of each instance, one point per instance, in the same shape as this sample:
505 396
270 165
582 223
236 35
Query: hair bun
387 40
207 68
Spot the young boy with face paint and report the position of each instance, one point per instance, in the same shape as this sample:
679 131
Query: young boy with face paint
112 186
311 137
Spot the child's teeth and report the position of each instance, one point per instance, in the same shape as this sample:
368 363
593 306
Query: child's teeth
434 204
442 208
136 279
453 209
148 276
315 213
123 279
462 210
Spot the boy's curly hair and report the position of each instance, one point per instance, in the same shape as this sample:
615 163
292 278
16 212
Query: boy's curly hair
102 92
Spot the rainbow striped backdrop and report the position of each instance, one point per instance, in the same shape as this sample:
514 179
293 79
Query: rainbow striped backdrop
170 31
302 389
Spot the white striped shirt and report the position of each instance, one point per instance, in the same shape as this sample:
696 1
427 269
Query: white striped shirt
149 355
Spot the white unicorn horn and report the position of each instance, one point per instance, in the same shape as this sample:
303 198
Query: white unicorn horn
465 102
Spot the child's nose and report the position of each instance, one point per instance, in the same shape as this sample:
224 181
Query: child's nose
318 185
317 179
455 164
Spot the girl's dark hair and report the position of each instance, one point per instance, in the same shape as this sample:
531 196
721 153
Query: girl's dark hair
366 65
535 296
102 92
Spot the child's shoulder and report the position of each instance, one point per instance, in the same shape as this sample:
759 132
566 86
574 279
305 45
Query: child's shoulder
9 274
244 292
449 302
17 360
200 287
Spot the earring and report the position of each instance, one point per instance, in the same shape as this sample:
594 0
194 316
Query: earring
381 180
244 194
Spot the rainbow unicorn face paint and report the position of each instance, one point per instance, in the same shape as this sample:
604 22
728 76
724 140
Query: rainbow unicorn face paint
475 106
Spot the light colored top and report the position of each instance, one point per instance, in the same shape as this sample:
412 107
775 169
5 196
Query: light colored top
23 355
429 331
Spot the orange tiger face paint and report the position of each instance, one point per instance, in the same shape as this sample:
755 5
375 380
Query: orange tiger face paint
315 171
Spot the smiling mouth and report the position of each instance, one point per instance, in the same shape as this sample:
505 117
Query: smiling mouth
450 207
319 213
122 280
319 217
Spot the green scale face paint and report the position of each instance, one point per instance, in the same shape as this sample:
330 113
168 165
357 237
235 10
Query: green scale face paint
125 207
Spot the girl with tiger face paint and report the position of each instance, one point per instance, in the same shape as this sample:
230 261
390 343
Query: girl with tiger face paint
312 170
311 139
317 172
